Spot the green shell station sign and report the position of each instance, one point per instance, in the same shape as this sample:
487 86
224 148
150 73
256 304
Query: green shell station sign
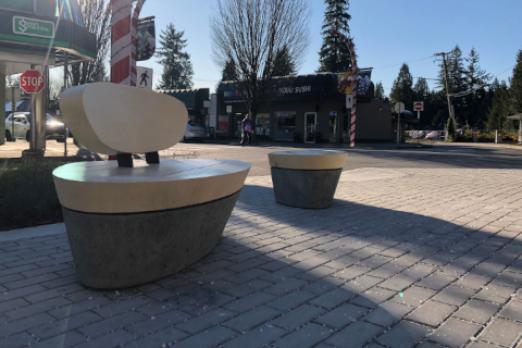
33 27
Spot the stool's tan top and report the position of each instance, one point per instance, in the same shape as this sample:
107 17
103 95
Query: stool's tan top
109 118
308 159
105 188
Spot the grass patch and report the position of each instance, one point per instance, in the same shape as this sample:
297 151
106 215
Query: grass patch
27 194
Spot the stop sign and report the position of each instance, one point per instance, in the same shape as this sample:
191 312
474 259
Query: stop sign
32 82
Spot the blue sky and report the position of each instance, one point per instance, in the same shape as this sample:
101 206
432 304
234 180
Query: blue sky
386 32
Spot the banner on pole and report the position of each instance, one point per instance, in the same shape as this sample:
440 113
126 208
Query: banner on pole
146 38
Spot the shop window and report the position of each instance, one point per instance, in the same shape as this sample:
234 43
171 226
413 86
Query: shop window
263 125
286 120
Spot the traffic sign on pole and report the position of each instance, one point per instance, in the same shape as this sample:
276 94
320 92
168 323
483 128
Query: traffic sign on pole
418 106
399 107
145 77
32 82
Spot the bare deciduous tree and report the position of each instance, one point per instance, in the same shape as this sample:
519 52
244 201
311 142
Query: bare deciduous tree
97 18
250 33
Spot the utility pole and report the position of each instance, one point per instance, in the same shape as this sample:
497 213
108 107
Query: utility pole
451 110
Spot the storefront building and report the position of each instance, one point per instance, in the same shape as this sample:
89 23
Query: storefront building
197 102
305 109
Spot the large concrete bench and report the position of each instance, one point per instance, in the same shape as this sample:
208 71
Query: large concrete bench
306 178
132 225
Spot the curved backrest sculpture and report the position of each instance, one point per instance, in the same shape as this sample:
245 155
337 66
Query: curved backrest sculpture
110 119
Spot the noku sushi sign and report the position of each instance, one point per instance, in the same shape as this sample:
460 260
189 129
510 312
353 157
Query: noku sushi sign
33 27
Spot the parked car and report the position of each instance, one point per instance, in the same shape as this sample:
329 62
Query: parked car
194 131
20 122
433 135
22 105
416 134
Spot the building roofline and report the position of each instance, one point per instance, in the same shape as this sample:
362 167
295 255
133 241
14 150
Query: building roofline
294 76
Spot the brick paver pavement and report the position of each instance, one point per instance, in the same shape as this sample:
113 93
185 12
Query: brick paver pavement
404 258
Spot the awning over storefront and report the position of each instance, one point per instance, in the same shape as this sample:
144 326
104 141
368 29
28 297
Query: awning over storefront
27 28
299 87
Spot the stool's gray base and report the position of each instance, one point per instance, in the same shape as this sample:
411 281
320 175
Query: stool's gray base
125 250
309 189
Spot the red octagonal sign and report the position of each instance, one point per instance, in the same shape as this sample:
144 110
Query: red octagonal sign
32 82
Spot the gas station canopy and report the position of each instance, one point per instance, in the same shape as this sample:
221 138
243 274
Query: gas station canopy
27 28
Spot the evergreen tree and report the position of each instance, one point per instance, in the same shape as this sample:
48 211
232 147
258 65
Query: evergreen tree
516 84
456 71
229 71
283 63
474 76
475 82
177 68
402 87
334 55
379 91
421 89
456 78
500 108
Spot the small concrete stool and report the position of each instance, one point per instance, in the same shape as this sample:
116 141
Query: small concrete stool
306 178
133 223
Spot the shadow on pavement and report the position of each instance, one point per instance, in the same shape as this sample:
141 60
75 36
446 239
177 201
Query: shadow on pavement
348 276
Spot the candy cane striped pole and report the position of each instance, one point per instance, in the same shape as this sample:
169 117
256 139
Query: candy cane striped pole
352 81
122 46
355 80
353 119
124 41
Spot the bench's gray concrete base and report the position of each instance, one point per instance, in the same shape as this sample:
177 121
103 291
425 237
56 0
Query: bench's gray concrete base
309 189
125 250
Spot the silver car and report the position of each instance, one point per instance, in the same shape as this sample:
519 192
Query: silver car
20 123
194 131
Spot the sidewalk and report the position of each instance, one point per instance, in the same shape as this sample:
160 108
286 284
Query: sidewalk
406 257
476 145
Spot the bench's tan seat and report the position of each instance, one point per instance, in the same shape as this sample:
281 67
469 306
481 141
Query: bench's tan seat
105 188
308 159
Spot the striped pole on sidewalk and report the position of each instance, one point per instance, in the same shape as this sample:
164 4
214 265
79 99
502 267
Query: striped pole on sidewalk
353 119
122 45
124 41
355 80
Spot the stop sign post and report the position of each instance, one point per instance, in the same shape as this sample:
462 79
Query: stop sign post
32 82
419 107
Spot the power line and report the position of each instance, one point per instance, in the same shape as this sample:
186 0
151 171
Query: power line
406 62
504 72
426 78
